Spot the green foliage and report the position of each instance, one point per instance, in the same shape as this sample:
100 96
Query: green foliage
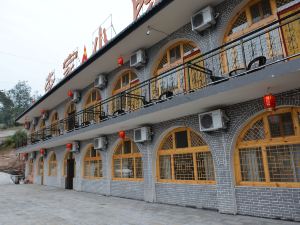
21 97
6 110
12 141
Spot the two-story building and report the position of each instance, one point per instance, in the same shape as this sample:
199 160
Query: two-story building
216 91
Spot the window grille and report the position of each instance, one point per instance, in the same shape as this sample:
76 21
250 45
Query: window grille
256 132
239 24
127 161
188 158
53 165
280 3
92 168
269 152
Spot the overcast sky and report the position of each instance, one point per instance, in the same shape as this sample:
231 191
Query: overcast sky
36 36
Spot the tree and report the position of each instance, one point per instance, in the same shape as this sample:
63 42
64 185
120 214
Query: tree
6 109
21 98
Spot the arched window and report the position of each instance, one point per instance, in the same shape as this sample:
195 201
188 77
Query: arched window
182 79
92 164
52 165
272 44
42 131
127 161
126 80
30 167
92 113
70 114
268 150
183 156
68 155
40 170
54 124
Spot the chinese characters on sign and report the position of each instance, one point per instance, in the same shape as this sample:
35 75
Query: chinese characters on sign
141 6
70 63
100 40
50 81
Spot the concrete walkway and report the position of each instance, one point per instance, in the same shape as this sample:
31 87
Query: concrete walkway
41 205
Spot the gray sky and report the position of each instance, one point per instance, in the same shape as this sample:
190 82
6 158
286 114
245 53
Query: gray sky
36 36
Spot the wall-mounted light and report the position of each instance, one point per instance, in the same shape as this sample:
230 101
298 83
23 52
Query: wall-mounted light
150 28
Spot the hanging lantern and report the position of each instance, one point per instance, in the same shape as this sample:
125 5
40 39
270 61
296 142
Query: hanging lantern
120 61
42 152
269 102
122 134
84 57
70 93
69 146
43 111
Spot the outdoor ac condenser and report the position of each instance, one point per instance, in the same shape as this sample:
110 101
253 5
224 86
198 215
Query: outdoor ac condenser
100 143
138 58
100 81
203 19
76 97
212 120
142 134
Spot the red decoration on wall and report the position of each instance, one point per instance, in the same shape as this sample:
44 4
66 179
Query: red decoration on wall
42 151
269 102
120 61
84 57
69 146
122 134
70 93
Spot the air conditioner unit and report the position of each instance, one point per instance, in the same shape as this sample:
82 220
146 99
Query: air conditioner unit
45 115
203 19
32 155
75 147
213 120
100 143
100 81
76 97
35 121
138 58
142 134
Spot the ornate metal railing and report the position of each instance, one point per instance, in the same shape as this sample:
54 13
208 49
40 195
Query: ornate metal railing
276 42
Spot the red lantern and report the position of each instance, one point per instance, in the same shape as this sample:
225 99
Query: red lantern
269 102
122 134
42 151
70 93
120 61
69 146
43 111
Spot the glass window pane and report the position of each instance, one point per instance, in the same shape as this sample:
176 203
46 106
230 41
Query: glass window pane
251 163
255 14
138 168
175 54
125 80
165 167
239 24
205 166
284 163
117 168
281 125
127 147
181 139
184 167
266 8
127 168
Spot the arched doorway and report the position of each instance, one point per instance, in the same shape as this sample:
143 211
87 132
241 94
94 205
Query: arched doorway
92 110
69 169
40 169
55 124
267 151
181 78
70 117
129 101
269 44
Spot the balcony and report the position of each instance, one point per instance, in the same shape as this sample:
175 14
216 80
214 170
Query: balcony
221 68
